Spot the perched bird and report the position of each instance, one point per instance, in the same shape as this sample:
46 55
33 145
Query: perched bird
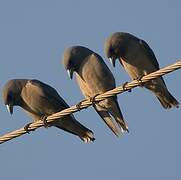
138 59
94 77
40 100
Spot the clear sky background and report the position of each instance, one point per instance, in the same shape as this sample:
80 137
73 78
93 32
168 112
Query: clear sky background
33 36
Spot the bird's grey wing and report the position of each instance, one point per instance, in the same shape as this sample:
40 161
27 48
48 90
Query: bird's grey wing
149 53
50 102
40 102
151 56
94 77
49 93
104 77
103 113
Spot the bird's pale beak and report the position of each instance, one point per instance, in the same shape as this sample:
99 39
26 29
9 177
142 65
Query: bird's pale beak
70 73
10 108
112 61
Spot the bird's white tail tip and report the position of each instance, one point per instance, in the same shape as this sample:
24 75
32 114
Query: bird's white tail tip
88 137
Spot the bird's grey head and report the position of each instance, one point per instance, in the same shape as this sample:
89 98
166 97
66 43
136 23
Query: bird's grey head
112 47
73 58
11 94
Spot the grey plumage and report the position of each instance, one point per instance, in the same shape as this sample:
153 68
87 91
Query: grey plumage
94 77
39 99
138 59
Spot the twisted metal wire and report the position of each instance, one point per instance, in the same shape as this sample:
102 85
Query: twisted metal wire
87 102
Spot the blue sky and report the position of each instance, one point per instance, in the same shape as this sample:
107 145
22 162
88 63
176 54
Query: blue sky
33 36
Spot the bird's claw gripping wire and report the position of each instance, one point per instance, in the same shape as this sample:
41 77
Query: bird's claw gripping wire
26 128
44 119
139 79
92 99
78 105
124 87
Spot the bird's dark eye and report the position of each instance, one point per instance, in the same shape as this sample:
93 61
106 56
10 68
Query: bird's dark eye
111 51
10 97
71 64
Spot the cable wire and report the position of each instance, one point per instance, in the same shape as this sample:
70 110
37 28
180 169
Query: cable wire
85 103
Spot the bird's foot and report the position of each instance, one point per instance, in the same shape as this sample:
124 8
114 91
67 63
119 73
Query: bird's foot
92 99
26 128
78 105
44 119
124 88
139 79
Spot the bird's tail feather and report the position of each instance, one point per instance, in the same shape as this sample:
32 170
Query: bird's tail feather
88 137
167 100
71 125
116 113
159 88
108 120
